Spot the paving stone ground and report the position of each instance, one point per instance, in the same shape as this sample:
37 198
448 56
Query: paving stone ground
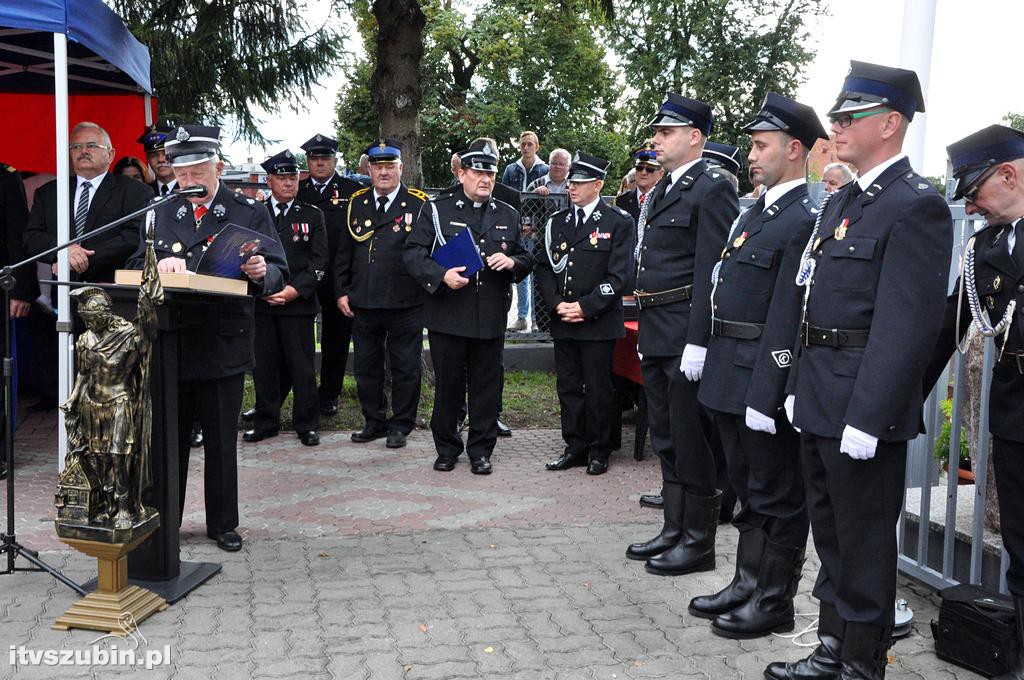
363 563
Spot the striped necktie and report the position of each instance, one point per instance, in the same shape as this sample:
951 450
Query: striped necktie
82 211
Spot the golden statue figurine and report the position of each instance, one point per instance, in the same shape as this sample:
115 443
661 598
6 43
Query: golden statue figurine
108 416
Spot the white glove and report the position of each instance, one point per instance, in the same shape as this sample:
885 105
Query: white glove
788 407
640 355
759 422
692 363
858 445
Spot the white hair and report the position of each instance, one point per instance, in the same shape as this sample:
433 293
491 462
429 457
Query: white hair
844 171
89 125
559 152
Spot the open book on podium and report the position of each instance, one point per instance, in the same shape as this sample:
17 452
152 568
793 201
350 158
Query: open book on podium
219 268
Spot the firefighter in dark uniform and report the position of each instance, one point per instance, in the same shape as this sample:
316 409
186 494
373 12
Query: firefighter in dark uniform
465 317
329 191
216 345
585 267
285 349
152 141
684 227
374 289
988 167
878 260
724 157
648 173
756 309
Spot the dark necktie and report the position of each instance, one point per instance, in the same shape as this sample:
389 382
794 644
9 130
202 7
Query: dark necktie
319 187
282 208
82 211
851 195
382 205
581 217
164 189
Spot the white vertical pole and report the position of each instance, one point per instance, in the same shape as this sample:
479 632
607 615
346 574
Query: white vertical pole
916 54
147 102
64 337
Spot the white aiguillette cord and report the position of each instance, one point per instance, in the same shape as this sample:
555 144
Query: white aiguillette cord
981 319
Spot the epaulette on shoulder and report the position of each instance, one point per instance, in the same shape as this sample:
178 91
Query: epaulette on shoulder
810 206
918 183
359 192
9 168
243 199
502 204
418 193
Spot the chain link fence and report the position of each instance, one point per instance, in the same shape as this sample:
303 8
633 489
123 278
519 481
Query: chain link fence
534 211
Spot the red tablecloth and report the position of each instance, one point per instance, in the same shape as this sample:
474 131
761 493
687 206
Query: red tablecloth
627 363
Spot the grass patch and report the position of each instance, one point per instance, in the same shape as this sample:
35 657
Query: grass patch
530 401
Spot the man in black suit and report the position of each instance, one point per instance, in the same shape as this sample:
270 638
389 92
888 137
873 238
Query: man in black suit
585 266
97 198
756 309
988 167
686 225
879 265
216 345
13 216
285 350
374 289
465 317
330 192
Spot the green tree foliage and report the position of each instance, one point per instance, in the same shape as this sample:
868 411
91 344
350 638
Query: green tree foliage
726 52
225 58
512 66
1014 120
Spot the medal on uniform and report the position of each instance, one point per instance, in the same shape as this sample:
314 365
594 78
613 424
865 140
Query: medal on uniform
996 282
841 229
990 302
305 231
295 233
334 195
408 217
593 241
504 246
740 240
176 248
396 228
408 227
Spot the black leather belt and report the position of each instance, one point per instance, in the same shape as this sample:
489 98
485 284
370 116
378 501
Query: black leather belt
645 300
832 337
736 329
1017 357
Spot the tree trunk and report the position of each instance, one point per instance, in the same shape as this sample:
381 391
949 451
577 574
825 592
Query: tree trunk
395 84
973 368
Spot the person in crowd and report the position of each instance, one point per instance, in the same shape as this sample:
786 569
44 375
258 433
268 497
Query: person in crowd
584 269
648 173
628 182
836 176
727 158
285 349
519 175
879 265
465 317
13 216
220 337
554 181
756 308
988 166
131 167
152 141
686 225
329 191
375 290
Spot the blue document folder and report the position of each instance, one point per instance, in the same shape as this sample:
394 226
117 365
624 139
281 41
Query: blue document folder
460 251
228 250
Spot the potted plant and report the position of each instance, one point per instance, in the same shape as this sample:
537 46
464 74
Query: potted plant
965 475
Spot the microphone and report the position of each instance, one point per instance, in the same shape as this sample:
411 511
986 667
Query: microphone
197 190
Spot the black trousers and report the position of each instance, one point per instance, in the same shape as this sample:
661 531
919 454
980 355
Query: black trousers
764 470
336 333
216 402
285 352
465 370
1008 461
854 506
394 336
680 427
586 398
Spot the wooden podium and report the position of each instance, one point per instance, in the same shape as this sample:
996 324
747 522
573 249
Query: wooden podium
156 564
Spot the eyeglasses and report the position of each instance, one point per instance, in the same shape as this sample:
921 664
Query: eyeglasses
845 120
971 194
91 146
646 168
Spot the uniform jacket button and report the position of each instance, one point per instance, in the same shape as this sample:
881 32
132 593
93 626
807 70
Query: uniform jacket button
852 248
892 428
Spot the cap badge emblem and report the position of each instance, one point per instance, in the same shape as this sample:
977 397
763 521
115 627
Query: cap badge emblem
182 135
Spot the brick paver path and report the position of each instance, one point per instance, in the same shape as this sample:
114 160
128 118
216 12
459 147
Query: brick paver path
362 562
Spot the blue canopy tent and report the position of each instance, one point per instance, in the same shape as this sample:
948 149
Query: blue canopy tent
68 47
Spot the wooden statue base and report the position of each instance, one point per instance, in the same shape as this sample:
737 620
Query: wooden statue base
115 607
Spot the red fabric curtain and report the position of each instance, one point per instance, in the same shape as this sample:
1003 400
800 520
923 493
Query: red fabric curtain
28 121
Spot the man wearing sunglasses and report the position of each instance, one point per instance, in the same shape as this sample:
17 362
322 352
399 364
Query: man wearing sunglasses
648 173
879 264
988 167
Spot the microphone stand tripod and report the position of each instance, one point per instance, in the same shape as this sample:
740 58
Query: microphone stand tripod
9 544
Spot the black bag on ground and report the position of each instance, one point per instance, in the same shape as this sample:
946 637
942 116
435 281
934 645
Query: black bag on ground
975 629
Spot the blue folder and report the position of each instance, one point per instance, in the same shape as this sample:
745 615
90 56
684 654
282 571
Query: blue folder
228 251
460 251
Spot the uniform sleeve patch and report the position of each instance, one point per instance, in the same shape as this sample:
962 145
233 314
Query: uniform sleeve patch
783 358
606 289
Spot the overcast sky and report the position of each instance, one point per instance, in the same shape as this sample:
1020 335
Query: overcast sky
974 77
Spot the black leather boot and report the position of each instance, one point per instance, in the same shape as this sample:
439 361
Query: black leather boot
865 652
748 562
824 662
1018 670
770 607
696 550
671 531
